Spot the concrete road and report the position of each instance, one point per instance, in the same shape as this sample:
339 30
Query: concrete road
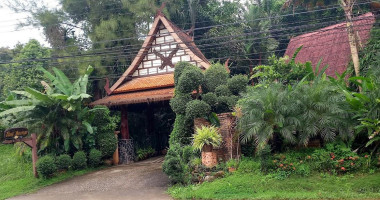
142 180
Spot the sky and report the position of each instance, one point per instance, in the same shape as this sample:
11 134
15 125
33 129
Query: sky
10 35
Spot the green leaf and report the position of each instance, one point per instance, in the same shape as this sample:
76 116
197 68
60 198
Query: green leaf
17 110
88 127
38 95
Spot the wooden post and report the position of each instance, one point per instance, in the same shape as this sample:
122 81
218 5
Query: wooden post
124 123
34 154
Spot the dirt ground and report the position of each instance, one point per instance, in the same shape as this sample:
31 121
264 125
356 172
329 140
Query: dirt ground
142 180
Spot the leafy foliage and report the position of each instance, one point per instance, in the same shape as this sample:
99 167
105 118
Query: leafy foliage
214 76
237 84
190 80
206 136
46 166
63 162
94 158
178 103
79 160
222 90
58 114
197 108
174 166
181 131
211 99
145 153
294 114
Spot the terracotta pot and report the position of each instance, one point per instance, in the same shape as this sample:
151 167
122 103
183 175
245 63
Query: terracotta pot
209 156
231 169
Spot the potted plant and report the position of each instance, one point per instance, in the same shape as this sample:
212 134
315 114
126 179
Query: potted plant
205 139
232 165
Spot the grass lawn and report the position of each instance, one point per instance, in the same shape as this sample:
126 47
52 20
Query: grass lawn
256 186
16 176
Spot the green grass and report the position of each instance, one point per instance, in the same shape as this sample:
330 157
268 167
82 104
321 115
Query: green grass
257 186
16 175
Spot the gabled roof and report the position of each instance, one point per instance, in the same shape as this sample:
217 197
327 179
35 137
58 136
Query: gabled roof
330 44
135 87
180 37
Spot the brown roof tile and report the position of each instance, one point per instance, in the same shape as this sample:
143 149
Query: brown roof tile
145 83
136 97
330 44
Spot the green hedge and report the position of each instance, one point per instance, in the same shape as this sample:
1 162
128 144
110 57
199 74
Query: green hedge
94 158
197 108
63 162
79 160
178 103
214 76
46 166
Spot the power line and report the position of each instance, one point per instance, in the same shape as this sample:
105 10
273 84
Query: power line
151 46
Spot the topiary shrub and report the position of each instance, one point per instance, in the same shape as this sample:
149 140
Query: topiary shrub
178 103
222 90
197 108
79 160
226 103
46 166
94 158
181 132
179 69
214 76
175 167
63 162
237 84
190 80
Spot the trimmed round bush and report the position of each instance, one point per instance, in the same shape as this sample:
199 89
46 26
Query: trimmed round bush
79 160
197 108
214 76
94 158
190 80
46 166
237 84
63 162
107 144
178 103
210 98
226 103
181 131
222 90
179 69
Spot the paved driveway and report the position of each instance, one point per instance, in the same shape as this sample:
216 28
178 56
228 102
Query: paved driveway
142 180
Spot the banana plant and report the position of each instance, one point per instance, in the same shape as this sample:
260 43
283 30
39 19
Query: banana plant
57 115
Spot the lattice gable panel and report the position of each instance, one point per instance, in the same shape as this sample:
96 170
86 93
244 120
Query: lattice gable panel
164 46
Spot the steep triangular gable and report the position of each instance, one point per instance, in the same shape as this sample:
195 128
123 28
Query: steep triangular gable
165 42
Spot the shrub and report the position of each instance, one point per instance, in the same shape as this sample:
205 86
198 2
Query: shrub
225 104
174 167
222 90
237 84
178 103
232 163
179 69
214 76
107 144
197 108
63 162
79 160
94 158
2 129
248 166
265 158
190 80
210 98
181 131
145 153
46 166
187 153
206 136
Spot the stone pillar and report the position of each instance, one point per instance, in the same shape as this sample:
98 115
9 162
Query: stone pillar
126 151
